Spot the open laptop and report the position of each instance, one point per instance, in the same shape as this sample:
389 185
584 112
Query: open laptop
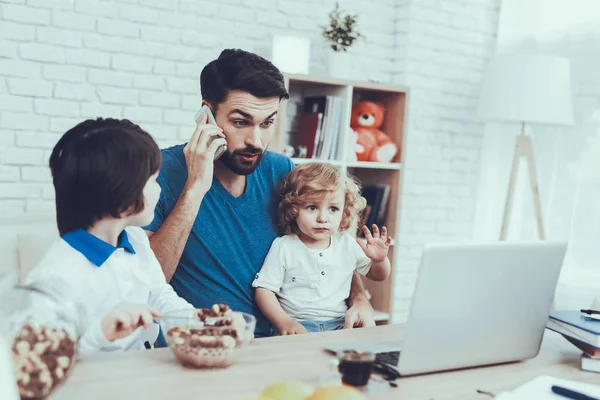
475 305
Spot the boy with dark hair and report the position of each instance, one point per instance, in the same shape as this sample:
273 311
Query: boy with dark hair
104 173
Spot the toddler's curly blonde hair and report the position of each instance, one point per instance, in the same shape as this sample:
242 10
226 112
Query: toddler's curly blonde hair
312 181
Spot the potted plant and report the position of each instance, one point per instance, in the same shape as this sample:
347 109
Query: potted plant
340 34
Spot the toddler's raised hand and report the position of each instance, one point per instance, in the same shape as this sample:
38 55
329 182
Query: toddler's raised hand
377 245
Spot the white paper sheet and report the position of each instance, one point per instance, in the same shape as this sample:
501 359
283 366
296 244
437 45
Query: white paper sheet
540 389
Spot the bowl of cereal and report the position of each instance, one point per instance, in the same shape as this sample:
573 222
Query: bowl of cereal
43 332
207 337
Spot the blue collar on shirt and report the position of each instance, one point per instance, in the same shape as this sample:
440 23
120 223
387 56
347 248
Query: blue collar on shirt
94 249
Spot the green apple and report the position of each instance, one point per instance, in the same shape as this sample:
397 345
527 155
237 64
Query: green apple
287 390
336 392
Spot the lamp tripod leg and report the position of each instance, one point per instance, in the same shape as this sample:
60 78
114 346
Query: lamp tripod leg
511 191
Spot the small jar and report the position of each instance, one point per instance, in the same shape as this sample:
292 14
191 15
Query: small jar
355 368
43 332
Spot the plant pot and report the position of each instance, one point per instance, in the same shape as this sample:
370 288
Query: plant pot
339 64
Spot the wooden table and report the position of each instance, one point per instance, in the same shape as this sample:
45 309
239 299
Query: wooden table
156 374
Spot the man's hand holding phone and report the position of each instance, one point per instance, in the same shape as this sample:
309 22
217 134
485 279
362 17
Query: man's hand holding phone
200 155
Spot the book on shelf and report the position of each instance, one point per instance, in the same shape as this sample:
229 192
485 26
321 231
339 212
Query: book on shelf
377 197
321 135
589 364
575 325
307 130
330 137
323 130
315 104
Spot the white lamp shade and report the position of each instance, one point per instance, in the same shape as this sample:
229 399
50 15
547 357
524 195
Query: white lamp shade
532 88
291 54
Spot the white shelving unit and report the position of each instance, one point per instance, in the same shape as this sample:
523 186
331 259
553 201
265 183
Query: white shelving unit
373 165
395 100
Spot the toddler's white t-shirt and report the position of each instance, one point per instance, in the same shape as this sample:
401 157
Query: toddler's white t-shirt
312 284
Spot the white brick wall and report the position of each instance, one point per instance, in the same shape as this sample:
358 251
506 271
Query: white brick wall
62 61
445 46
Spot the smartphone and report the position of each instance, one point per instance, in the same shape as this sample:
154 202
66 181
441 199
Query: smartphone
211 120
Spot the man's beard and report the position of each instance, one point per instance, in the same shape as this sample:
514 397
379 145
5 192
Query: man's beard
234 162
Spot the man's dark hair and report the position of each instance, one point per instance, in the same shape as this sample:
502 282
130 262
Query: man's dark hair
240 70
99 169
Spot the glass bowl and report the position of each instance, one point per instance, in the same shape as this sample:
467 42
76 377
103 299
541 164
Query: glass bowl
207 342
43 333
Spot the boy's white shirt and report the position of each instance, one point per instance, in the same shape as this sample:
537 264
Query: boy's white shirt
312 284
124 277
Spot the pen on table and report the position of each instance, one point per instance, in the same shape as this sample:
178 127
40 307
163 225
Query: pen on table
590 311
571 394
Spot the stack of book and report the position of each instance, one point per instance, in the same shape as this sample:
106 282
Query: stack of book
377 197
320 128
581 330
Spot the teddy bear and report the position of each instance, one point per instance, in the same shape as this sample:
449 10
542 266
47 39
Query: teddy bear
371 143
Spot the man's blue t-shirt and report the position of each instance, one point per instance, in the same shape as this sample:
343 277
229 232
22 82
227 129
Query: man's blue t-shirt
230 237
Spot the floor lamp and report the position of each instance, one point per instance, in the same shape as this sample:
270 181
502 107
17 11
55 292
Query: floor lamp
527 89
